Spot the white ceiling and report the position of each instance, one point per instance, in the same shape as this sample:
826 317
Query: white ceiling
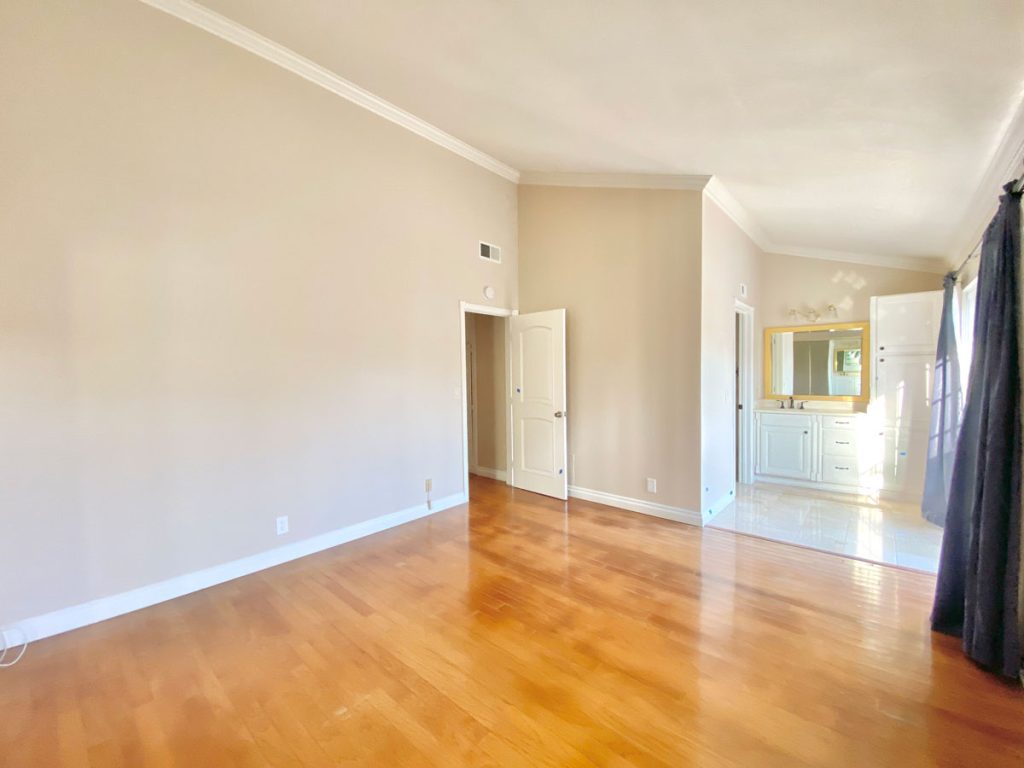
863 127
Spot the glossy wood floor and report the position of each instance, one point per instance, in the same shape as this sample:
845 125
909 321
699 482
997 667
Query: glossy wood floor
515 633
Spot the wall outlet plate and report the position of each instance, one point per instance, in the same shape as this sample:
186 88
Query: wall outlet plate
652 485
282 525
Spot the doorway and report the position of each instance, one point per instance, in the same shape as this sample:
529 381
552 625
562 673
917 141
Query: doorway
744 392
529 419
486 395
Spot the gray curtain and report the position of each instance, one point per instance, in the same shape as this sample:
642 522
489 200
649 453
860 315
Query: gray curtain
945 422
976 594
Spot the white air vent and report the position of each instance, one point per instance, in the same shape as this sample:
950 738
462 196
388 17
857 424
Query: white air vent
490 252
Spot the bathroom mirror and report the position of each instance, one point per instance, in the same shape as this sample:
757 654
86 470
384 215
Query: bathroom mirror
817 362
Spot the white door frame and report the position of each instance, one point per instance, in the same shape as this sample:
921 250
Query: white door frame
483 309
745 358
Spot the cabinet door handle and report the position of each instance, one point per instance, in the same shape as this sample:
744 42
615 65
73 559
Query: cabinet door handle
805 431
844 468
842 442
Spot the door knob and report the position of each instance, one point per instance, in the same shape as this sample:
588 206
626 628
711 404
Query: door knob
559 414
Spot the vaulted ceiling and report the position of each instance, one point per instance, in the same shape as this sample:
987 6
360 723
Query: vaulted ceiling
869 127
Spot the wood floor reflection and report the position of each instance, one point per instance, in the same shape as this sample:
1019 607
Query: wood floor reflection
519 631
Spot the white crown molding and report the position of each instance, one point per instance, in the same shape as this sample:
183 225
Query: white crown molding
614 180
678 514
1005 164
732 208
935 265
233 32
101 609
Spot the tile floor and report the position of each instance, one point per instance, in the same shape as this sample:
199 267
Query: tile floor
882 531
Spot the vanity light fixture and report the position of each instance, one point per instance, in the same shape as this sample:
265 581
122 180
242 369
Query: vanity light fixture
812 314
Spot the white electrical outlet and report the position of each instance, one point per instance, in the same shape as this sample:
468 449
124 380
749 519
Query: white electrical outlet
652 485
282 525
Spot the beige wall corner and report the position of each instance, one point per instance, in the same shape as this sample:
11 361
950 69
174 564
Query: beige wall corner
227 295
625 263
731 264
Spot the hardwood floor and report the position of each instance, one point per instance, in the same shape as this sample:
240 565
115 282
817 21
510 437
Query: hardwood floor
512 633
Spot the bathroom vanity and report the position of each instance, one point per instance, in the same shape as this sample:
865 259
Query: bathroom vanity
864 425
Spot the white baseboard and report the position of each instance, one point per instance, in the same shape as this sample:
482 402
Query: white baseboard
678 514
718 506
103 608
11 639
494 474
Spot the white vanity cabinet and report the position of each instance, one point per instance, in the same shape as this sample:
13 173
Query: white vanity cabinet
786 445
815 449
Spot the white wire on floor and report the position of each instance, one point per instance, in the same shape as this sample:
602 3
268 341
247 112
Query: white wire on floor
4 647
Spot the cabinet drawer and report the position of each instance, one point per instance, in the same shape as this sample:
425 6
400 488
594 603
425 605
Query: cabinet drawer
839 470
787 419
838 442
849 421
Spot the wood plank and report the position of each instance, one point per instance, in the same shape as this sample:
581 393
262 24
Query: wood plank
519 630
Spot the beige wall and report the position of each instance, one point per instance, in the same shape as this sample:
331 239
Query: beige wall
193 243
729 258
794 281
492 414
625 263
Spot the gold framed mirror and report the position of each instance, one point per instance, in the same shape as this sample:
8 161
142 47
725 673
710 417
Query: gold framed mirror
817 362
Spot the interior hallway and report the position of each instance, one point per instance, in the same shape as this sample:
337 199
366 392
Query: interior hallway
510 632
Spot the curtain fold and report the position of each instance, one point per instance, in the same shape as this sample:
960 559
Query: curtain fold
978 582
945 417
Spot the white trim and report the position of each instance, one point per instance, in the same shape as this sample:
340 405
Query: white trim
678 514
479 309
1004 164
719 505
493 474
933 264
103 608
614 180
746 365
237 34
12 639
732 208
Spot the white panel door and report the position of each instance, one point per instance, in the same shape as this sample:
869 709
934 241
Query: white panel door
539 448
785 451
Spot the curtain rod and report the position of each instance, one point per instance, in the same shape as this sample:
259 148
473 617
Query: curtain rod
1016 189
